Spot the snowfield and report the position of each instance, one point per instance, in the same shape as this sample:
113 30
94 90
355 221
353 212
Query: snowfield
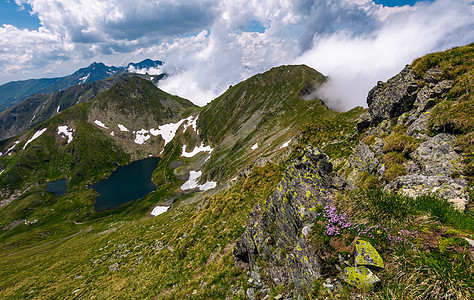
100 124
285 144
158 210
35 136
192 182
196 150
66 132
122 128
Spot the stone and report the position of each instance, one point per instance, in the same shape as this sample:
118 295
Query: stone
360 277
414 185
393 98
437 156
277 224
366 255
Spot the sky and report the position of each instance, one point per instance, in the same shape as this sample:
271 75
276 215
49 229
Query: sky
208 45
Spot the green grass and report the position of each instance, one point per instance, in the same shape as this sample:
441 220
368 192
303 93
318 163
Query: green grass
168 256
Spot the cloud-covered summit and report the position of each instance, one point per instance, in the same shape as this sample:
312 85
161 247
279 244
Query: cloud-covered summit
208 45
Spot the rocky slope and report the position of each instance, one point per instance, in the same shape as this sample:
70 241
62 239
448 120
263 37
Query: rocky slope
39 108
290 216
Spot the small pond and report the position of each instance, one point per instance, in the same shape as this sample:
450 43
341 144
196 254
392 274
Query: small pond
127 183
59 187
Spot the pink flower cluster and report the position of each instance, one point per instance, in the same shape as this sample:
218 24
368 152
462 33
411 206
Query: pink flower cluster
338 221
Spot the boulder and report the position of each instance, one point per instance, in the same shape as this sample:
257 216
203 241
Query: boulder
360 277
366 255
274 230
393 98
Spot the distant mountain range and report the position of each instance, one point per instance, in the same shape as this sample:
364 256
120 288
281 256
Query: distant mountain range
14 92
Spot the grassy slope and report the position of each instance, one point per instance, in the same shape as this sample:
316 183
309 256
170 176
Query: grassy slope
189 248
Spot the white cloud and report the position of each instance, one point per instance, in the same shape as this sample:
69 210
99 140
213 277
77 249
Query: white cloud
356 63
206 45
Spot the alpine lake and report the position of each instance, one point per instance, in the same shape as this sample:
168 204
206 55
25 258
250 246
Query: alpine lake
127 183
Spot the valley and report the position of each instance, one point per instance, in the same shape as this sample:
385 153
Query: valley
260 194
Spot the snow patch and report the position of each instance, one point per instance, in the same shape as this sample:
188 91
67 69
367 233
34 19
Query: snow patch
11 148
1 170
208 186
285 144
112 133
84 79
158 210
122 128
192 182
196 150
100 124
191 121
167 131
35 136
66 132
142 136
57 109
255 146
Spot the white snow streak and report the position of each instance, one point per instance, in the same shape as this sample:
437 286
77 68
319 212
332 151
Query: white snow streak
1 170
122 128
112 133
196 150
285 144
255 146
11 148
84 79
100 124
66 132
35 136
192 182
57 109
158 210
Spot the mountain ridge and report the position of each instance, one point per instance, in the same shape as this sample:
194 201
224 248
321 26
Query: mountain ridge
299 188
14 92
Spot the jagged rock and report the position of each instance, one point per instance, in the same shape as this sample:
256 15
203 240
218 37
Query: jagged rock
274 229
433 75
437 156
360 277
366 255
393 98
363 122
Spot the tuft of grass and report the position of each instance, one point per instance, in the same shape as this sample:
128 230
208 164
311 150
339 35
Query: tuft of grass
400 143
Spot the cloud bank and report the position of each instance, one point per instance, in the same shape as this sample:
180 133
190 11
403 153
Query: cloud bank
208 45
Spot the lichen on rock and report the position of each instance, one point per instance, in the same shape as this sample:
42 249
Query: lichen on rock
366 255
360 277
274 230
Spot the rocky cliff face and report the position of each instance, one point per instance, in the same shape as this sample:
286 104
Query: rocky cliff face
276 230
398 147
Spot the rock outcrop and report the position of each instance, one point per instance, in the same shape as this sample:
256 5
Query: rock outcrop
276 229
401 151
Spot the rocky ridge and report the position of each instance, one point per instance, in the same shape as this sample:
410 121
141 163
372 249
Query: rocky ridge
398 147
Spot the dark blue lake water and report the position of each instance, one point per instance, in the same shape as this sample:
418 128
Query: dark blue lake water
59 187
128 183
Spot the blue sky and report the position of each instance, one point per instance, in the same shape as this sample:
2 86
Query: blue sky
11 13
208 45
